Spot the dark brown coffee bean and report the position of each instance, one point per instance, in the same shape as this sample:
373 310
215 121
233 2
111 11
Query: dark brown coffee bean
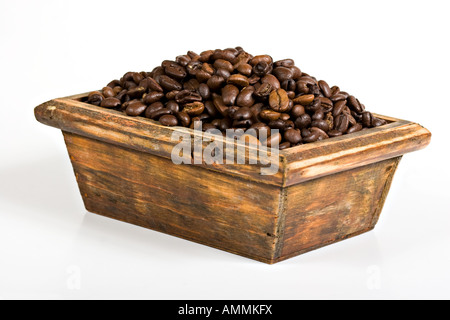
289 85
284 63
168 120
155 115
262 68
136 93
297 73
191 85
293 136
152 97
215 82
135 108
355 128
325 88
186 96
326 104
184 118
113 84
318 115
376 122
283 73
172 94
277 124
245 69
183 60
194 108
239 80
304 100
279 101
108 92
297 110
341 123
96 98
223 73
367 119
204 91
322 124
261 129
302 87
175 71
261 58
152 84
243 113
211 109
272 80
169 83
354 104
245 97
303 121
223 64
152 108
203 76
229 94
263 90
334 133
273 141
269 115
110 103
173 106
338 107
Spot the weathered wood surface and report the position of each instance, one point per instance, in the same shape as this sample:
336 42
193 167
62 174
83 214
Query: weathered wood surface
190 202
332 208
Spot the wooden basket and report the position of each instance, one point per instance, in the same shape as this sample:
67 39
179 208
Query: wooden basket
323 192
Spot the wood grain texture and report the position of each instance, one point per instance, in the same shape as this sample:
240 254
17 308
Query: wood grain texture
190 202
332 208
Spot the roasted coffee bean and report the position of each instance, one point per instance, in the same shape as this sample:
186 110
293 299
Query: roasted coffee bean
153 97
96 98
215 82
355 128
322 124
173 106
273 141
152 108
262 68
304 100
341 123
136 92
283 73
338 107
269 115
272 80
297 110
135 108
239 80
245 69
110 103
279 101
293 136
245 97
231 88
108 92
204 91
184 118
262 130
325 88
168 120
303 121
229 94
186 96
169 83
194 108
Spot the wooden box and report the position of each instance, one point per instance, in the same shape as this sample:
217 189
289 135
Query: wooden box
323 192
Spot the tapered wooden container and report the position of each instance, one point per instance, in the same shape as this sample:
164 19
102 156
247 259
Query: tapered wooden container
323 192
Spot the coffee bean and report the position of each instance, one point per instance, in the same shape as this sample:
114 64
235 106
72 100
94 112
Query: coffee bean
230 88
96 98
273 141
110 103
194 108
245 97
229 94
135 108
279 101
293 136
168 120
239 80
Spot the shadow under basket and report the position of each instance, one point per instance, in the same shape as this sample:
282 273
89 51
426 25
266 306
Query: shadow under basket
323 192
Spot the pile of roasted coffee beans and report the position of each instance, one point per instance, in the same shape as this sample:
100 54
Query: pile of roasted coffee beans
231 88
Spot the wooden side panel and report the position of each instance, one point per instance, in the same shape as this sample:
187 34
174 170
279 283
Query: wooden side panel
190 202
336 207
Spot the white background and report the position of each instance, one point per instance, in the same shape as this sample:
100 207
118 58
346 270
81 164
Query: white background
392 55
